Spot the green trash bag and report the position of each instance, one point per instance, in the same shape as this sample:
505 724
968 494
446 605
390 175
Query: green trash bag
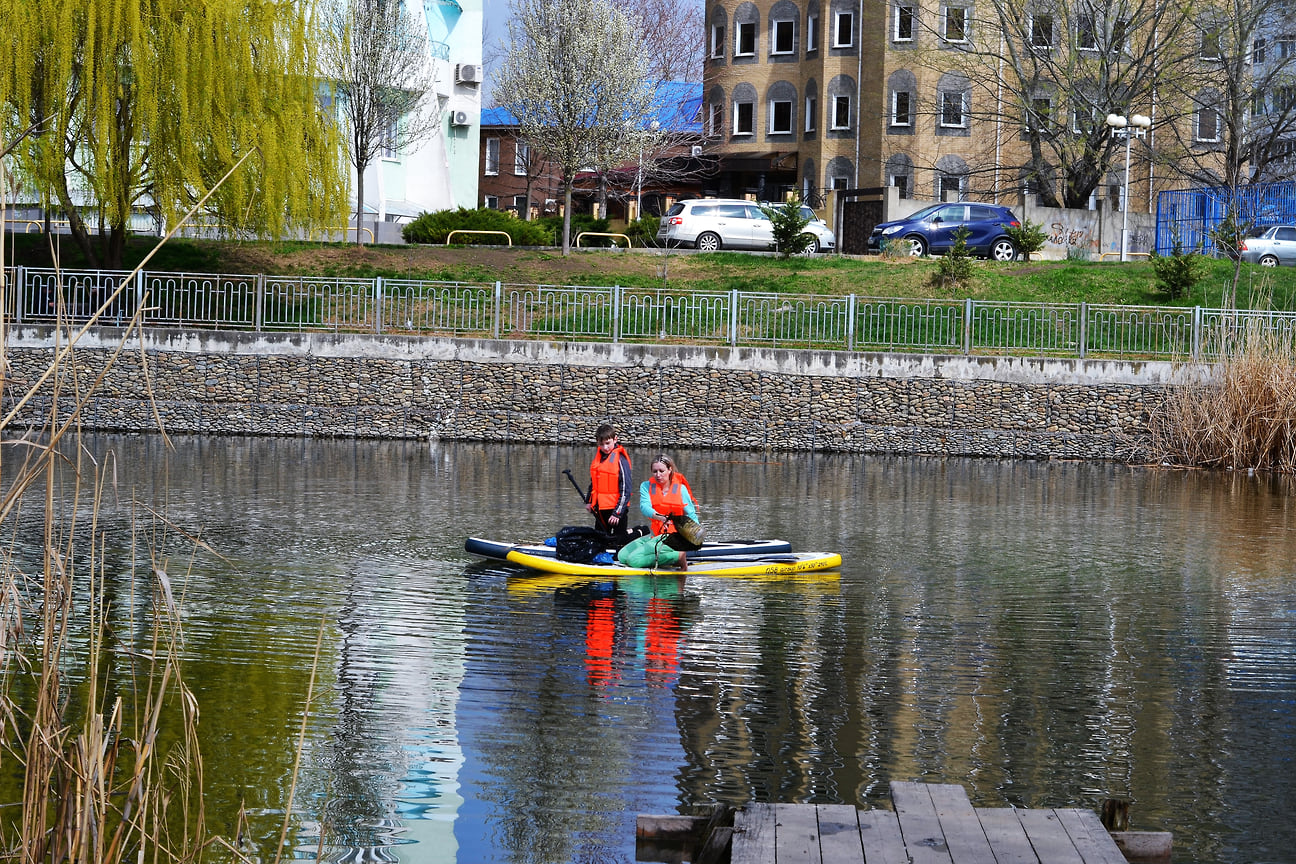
647 553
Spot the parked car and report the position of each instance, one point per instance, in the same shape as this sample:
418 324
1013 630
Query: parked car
1275 245
710 224
932 229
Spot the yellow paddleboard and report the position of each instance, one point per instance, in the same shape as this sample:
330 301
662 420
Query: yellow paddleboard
757 565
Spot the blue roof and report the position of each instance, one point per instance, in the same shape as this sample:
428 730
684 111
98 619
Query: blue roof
676 107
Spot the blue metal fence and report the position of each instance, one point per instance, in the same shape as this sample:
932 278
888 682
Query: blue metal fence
1188 217
616 314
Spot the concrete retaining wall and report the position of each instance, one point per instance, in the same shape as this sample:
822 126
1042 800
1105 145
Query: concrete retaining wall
232 383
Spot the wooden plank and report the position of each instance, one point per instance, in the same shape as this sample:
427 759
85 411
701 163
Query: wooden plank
880 836
796 834
919 825
1006 836
1091 839
839 834
1050 840
963 833
753 835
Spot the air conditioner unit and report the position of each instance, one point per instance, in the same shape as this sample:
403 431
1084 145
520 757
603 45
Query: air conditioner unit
459 118
468 73
697 149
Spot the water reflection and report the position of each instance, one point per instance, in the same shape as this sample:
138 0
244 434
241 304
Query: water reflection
1043 633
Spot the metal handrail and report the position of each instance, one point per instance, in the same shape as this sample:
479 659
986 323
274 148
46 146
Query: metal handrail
624 237
345 229
506 235
1103 255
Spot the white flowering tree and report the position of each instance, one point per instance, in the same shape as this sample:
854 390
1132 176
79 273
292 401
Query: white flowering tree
578 82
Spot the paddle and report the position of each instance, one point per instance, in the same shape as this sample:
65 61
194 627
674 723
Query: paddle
575 486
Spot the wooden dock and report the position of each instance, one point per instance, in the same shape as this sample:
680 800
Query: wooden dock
929 824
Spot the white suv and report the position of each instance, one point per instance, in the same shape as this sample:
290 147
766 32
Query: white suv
709 224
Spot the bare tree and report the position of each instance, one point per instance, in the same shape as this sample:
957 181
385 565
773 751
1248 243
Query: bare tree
577 80
674 37
1047 72
376 59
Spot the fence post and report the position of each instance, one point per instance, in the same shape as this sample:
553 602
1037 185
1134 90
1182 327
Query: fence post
850 322
733 317
499 302
616 314
1196 333
260 301
19 291
967 326
139 294
1084 328
378 300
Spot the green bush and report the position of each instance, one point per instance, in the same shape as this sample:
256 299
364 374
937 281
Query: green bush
955 266
435 227
1229 234
1178 272
579 222
643 231
789 227
1028 237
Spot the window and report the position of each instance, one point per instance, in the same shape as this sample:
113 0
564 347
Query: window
956 21
841 112
1207 124
746 45
388 143
1086 33
904 24
901 182
520 204
522 158
784 37
744 118
1258 106
1210 45
1041 32
717 41
901 109
780 116
716 123
1084 120
491 202
492 155
1041 115
812 32
810 113
951 110
1286 48
1258 51
949 185
1285 233
1119 32
844 30
841 182
1284 99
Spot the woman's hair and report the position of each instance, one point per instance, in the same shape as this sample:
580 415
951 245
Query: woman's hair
665 460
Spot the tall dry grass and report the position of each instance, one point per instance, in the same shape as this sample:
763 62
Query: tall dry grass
1241 413
99 748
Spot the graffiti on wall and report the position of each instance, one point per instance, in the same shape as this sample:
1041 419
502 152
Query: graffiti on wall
1072 237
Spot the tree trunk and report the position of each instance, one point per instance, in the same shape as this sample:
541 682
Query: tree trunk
80 236
567 198
360 172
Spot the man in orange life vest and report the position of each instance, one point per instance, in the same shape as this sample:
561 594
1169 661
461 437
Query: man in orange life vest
609 493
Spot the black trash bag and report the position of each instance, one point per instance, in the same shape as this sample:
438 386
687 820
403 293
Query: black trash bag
579 544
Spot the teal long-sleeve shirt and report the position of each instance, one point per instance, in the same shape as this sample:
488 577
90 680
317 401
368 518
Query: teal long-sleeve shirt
646 508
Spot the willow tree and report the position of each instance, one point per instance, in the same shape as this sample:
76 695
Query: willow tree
578 83
143 106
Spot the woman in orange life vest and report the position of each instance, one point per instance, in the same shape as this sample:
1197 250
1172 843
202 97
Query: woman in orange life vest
667 499
609 493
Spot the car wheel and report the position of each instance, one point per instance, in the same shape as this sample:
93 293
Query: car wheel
1268 261
917 246
708 242
811 244
1003 250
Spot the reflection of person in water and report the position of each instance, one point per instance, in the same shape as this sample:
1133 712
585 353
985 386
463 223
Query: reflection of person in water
611 638
661 642
600 640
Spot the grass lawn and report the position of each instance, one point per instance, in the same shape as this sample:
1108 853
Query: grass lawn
1132 283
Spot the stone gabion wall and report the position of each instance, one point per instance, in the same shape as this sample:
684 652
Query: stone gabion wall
399 387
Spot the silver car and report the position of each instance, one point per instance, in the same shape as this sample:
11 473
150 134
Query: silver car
710 224
1277 245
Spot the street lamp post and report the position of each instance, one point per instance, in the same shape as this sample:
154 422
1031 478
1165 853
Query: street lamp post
1134 127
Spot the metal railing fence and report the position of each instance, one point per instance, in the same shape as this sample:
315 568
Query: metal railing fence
619 314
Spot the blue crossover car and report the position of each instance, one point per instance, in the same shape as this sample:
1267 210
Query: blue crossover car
932 229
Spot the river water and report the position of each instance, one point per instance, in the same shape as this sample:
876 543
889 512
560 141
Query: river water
1045 634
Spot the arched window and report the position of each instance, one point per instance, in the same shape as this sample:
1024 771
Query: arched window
902 102
743 118
717 47
953 104
840 115
715 113
746 25
783 22
811 109
951 178
840 174
780 101
900 174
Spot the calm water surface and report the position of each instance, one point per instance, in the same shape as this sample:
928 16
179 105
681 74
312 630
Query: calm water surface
1043 634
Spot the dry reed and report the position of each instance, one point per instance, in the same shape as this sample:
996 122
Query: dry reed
1241 413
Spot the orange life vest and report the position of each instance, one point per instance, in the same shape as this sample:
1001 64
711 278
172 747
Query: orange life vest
605 479
666 501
